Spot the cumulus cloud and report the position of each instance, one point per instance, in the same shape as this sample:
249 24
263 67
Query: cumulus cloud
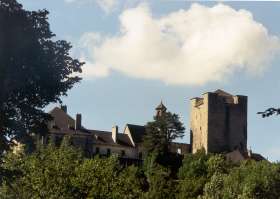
106 5
189 47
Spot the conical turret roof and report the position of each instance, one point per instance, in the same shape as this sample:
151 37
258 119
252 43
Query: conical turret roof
161 106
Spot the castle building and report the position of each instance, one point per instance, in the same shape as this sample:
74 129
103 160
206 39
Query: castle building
127 145
218 122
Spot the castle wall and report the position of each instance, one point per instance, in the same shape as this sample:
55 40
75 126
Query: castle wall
129 151
199 123
219 123
238 124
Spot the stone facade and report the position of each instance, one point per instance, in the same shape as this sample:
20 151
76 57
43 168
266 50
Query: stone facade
127 145
218 122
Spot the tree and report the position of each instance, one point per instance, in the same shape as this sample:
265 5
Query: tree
161 132
202 175
46 173
62 172
35 70
253 180
270 111
193 175
160 184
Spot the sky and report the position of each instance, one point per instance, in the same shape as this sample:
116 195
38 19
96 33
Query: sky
138 53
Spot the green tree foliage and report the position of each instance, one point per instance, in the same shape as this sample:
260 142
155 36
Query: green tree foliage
35 70
65 173
192 175
131 183
270 111
199 173
160 183
45 174
104 178
212 188
161 132
253 180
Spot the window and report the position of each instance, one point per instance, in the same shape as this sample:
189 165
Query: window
108 152
57 140
97 150
122 153
179 151
140 155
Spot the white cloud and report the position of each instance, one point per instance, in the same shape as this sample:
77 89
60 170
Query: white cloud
106 5
191 47
94 70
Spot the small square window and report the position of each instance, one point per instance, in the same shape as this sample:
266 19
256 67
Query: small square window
108 152
179 151
140 155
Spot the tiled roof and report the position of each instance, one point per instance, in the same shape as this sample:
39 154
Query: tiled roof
63 121
161 106
254 156
105 137
237 156
257 157
223 93
137 132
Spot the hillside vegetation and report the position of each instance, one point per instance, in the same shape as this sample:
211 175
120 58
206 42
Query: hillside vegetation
63 172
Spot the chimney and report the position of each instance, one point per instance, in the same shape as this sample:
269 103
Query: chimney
64 108
78 121
250 153
115 131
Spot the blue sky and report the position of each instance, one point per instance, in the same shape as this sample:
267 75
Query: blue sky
113 93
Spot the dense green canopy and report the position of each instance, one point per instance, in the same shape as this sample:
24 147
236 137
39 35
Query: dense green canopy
35 70
65 173
162 131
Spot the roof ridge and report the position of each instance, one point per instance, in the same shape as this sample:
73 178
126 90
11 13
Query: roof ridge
134 125
222 92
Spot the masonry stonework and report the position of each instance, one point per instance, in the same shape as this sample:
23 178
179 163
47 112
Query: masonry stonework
219 122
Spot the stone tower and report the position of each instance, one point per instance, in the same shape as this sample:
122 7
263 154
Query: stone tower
218 122
160 109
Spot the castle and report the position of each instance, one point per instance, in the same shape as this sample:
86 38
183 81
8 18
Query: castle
126 145
218 124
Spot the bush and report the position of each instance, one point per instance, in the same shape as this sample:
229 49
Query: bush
65 173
